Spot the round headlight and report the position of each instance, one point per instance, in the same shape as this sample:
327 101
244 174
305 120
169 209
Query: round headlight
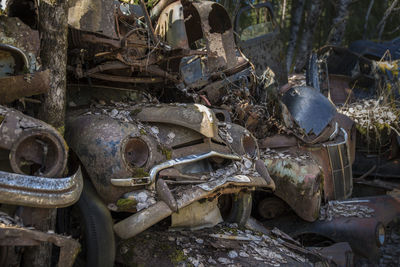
380 234
249 145
136 152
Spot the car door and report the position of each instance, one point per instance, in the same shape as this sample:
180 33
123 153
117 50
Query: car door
257 36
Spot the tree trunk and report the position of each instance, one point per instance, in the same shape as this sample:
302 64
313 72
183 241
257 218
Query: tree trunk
53 28
297 14
339 23
307 37
371 3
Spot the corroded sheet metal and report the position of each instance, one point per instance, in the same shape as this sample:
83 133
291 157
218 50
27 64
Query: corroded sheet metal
32 141
297 182
310 109
15 87
17 34
196 117
11 235
40 192
218 33
142 220
93 16
171 26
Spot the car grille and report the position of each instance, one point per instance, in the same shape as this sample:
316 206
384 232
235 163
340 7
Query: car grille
339 157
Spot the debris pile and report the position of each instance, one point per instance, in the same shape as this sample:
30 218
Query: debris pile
225 244
391 250
372 114
336 209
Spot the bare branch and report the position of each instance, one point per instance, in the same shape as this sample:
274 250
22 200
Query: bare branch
382 23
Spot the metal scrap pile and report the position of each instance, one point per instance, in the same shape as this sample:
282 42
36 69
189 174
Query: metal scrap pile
336 209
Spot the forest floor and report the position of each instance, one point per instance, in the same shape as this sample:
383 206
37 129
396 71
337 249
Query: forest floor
227 245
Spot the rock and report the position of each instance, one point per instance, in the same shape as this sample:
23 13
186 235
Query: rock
243 254
114 113
232 254
211 261
199 241
224 260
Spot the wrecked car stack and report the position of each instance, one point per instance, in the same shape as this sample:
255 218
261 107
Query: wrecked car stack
167 118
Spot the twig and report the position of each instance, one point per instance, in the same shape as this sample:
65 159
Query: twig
362 177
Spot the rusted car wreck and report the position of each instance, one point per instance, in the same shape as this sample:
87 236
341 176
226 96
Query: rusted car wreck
33 154
167 118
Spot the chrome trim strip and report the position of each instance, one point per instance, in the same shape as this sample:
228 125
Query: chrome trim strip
19 51
333 135
340 143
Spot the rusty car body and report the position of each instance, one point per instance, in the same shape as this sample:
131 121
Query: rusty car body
33 155
144 161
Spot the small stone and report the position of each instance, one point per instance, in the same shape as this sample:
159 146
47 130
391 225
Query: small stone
199 241
171 238
247 163
224 260
232 254
211 261
243 254
155 130
114 113
171 135
141 197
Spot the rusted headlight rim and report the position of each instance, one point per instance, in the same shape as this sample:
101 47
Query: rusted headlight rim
58 144
135 152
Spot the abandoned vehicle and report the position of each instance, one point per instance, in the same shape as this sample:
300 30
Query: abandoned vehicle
167 118
33 155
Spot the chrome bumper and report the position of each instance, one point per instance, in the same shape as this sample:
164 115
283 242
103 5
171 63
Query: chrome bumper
40 192
135 181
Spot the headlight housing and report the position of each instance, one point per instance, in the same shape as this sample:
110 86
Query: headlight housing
136 152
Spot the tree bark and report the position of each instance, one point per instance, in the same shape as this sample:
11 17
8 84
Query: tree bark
339 23
307 37
53 28
297 14
371 3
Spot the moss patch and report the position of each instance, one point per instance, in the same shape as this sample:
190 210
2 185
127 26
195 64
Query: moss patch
140 172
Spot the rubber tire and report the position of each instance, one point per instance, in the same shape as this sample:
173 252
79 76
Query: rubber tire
240 208
98 233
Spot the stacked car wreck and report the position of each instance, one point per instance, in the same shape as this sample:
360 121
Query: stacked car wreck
167 118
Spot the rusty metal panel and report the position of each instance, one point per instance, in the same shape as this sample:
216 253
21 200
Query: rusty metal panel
171 26
96 16
31 143
22 40
298 181
15 87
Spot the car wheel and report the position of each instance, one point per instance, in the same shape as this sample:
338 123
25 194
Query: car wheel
236 208
90 222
